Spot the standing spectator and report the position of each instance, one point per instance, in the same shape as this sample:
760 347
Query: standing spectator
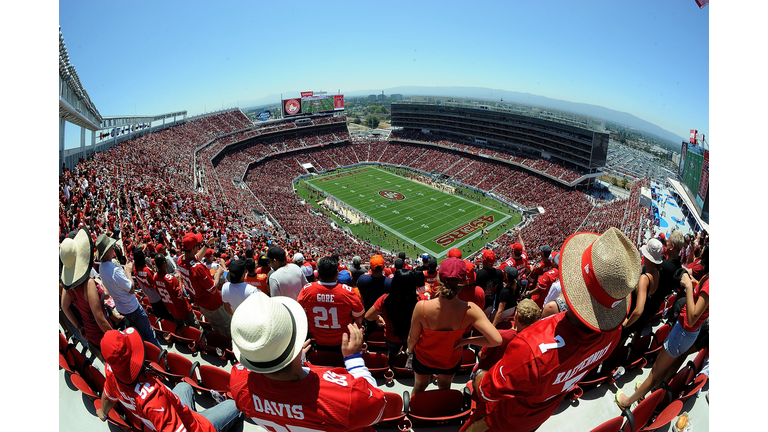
146 397
76 258
544 265
119 283
430 274
199 284
258 277
436 335
357 269
145 279
268 340
684 334
234 292
490 279
506 301
372 286
393 311
545 361
666 285
287 278
519 260
649 281
469 292
330 306
541 291
169 289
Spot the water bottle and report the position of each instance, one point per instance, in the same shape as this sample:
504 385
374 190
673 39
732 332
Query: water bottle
409 362
217 396
619 372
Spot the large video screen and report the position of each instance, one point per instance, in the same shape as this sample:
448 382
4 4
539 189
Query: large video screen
316 104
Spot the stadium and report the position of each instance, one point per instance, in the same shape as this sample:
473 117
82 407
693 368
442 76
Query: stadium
452 173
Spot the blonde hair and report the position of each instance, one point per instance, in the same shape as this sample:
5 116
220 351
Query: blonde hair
528 312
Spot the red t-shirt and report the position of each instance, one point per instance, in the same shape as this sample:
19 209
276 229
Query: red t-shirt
330 307
155 404
430 278
474 294
545 282
539 366
520 265
697 290
540 268
493 355
199 284
389 329
170 292
325 400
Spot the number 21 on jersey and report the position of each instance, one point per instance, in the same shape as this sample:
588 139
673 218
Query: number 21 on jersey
321 315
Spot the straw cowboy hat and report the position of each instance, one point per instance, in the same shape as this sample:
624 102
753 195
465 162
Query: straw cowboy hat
598 273
76 258
268 332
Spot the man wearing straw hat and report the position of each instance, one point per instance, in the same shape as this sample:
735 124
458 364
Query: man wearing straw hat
540 365
146 397
272 385
121 286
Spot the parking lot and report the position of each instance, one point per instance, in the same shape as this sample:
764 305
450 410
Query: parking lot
624 160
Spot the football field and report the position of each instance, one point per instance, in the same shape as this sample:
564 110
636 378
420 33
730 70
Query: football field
433 220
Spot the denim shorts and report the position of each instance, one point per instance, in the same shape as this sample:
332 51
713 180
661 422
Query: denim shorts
679 340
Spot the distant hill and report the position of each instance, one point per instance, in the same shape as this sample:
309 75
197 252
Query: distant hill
531 99
608 114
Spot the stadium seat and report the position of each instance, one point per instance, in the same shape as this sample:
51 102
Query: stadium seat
439 407
90 382
217 344
693 388
211 378
376 362
189 336
376 341
604 371
116 417
394 413
641 415
178 367
167 330
667 415
63 342
698 362
325 358
154 357
398 366
612 425
657 343
204 325
468 360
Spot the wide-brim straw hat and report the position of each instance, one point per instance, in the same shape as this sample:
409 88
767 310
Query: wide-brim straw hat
76 258
268 332
598 273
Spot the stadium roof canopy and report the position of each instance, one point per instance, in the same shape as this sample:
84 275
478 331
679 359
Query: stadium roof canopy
75 105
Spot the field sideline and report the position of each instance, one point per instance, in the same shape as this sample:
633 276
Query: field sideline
432 220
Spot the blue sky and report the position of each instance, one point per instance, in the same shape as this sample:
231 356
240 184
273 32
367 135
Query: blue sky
648 58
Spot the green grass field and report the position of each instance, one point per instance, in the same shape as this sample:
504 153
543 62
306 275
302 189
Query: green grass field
433 220
315 105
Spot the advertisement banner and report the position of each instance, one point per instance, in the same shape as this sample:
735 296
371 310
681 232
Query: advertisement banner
704 179
291 107
692 138
307 94
265 115
338 102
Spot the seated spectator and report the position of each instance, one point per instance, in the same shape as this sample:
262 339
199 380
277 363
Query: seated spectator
526 313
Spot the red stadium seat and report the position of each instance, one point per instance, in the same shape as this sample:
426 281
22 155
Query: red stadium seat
167 330
693 388
612 425
189 336
439 407
325 358
698 362
376 341
667 415
468 360
217 344
657 343
394 413
90 382
376 363
211 378
178 367
116 416
398 366
641 415
154 358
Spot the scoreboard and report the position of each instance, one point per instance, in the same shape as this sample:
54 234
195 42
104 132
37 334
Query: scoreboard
309 103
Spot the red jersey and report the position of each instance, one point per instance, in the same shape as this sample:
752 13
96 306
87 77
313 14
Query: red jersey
539 366
520 265
330 306
199 284
697 290
545 283
540 268
155 404
430 278
325 400
493 355
145 279
474 294
170 292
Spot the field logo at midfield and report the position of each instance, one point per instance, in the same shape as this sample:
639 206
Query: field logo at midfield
388 194
464 230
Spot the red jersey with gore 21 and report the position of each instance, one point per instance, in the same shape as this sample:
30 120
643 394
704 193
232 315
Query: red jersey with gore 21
540 365
199 284
155 404
330 307
170 292
325 400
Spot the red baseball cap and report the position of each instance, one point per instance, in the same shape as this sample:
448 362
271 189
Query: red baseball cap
471 276
454 253
190 241
489 256
124 353
453 268
199 237
517 248
209 252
